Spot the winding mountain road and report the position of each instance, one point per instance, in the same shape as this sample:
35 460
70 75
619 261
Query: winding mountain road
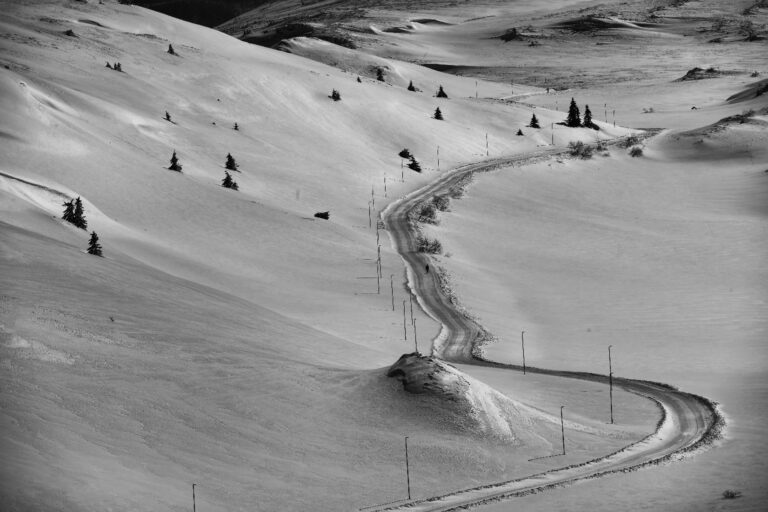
688 422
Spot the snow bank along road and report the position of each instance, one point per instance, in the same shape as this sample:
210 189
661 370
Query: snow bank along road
688 421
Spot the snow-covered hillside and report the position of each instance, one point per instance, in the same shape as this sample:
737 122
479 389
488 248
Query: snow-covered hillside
228 338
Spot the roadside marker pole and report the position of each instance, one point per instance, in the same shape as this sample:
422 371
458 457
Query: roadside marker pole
385 186
392 287
562 427
415 337
405 332
407 468
486 144
369 215
438 158
522 338
194 506
410 297
610 381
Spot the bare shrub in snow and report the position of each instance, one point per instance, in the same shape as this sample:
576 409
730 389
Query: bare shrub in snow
424 244
636 151
441 203
631 141
580 149
730 494
427 214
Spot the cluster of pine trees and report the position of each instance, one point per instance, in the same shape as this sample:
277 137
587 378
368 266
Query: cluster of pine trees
74 213
574 117
229 164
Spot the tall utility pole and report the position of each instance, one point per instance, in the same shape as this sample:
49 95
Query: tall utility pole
522 339
562 427
405 331
610 381
194 506
392 288
407 468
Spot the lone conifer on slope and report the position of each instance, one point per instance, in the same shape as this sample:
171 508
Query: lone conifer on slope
175 165
335 96
231 164
93 245
534 122
438 115
588 118
228 182
519 131
441 93
411 87
69 211
414 165
167 116
574 116
236 127
405 153
79 215
380 74
171 50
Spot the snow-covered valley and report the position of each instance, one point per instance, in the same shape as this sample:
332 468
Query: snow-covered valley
231 339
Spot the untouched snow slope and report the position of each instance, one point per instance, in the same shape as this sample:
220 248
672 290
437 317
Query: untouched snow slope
227 339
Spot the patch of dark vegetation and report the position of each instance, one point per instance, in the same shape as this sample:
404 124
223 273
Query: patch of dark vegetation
272 37
209 13
588 24
511 34
91 22
730 494
430 21
428 245
323 215
398 30
702 74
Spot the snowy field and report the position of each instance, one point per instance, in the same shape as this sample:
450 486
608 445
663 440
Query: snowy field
233 340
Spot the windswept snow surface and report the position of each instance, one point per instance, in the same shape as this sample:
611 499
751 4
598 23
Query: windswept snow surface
227 339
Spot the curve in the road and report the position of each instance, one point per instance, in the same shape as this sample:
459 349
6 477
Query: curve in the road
688 422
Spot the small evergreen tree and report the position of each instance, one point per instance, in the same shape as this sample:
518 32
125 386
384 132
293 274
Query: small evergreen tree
411 87
228 182
534 122
230 163
574 116
79 215
359 80
167 116
109 65
441 93
414 165
405 153
438 115
380 74
175 165
236 127
520 131
588 117
69 211
335 96
170 49
93 245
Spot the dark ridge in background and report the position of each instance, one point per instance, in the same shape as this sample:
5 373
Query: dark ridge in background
209 13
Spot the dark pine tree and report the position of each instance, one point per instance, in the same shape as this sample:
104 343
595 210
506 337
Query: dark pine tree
236 127
405 153
588 117
438 115
411 87
520 131
380 74
230 164
167 116
414 165
441 93
69 211
359 80
574 116
534 122
175 165
79 215
228 182
109 65
94 247
171 50
335 96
